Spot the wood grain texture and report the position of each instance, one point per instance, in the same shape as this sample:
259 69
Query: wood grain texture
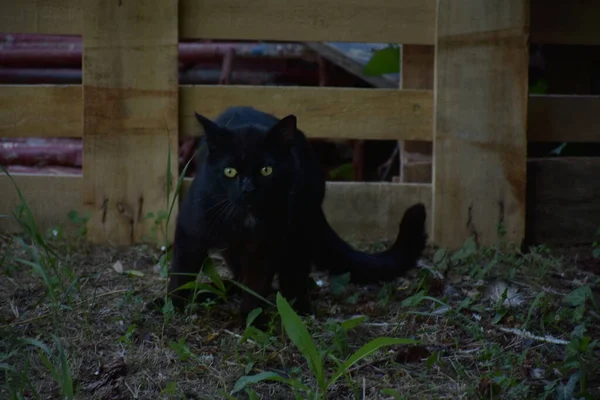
563 204
417 73
557 118
363 211
50 199
41 16
377 21
41 111
480 132
130 114
322 112
368 211
565 22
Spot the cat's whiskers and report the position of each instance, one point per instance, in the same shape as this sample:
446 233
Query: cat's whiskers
210 197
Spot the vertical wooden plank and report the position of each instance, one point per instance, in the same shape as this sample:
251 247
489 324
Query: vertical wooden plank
417 73
130 114
480 120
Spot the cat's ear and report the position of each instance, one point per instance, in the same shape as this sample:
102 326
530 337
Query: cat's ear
282 134
215 136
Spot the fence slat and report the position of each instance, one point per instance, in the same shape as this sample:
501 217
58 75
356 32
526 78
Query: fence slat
481 108
322 112
41 111
130 114
41 16
51 199
371 211
417 73
399 21
557 118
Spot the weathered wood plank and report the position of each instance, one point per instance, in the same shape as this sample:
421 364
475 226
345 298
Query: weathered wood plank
416 162
563 196
322 112
481 108
368 211
562 202
557 118
130 114
41 16
50 199
41 111
565 22
375 21
363 211
404 21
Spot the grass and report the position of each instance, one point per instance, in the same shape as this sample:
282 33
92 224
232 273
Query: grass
476 323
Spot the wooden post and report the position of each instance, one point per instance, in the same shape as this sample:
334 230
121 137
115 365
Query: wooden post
417 73
480 121
130 106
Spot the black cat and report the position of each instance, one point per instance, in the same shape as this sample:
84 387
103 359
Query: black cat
257 197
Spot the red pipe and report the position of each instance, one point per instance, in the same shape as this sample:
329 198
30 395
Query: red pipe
202 74
40 76
49 170
68 54
36 37
47 57
40 152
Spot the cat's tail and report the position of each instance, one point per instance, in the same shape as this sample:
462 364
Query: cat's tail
332 253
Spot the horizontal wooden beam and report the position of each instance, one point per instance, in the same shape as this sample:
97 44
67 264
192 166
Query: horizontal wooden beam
558 118
41 111
562 204
562 200
322 112
49 197
41 16
55 111
565 22
399 21
363 211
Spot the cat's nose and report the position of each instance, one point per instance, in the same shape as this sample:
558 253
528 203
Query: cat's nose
247 186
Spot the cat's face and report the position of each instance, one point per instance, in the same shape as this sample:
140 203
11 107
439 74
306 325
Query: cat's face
250 170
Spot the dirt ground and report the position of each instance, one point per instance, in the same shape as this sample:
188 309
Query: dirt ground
536 339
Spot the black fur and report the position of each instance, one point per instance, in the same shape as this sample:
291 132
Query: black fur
267 225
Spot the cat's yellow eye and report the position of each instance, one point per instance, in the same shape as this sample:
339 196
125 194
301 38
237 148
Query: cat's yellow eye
230 172
266 171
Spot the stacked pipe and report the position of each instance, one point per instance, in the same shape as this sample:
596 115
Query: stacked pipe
57 59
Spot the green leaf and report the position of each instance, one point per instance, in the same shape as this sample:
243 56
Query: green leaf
384 61
298 333
252 316
414 300
209 270
338 283
366 350
38 344
133 272
578 296
262 376
353 322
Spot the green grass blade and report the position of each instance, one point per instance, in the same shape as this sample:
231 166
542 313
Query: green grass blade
298 333
366 350
263 376
252 292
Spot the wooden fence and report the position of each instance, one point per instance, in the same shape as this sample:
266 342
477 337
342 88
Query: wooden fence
130 109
